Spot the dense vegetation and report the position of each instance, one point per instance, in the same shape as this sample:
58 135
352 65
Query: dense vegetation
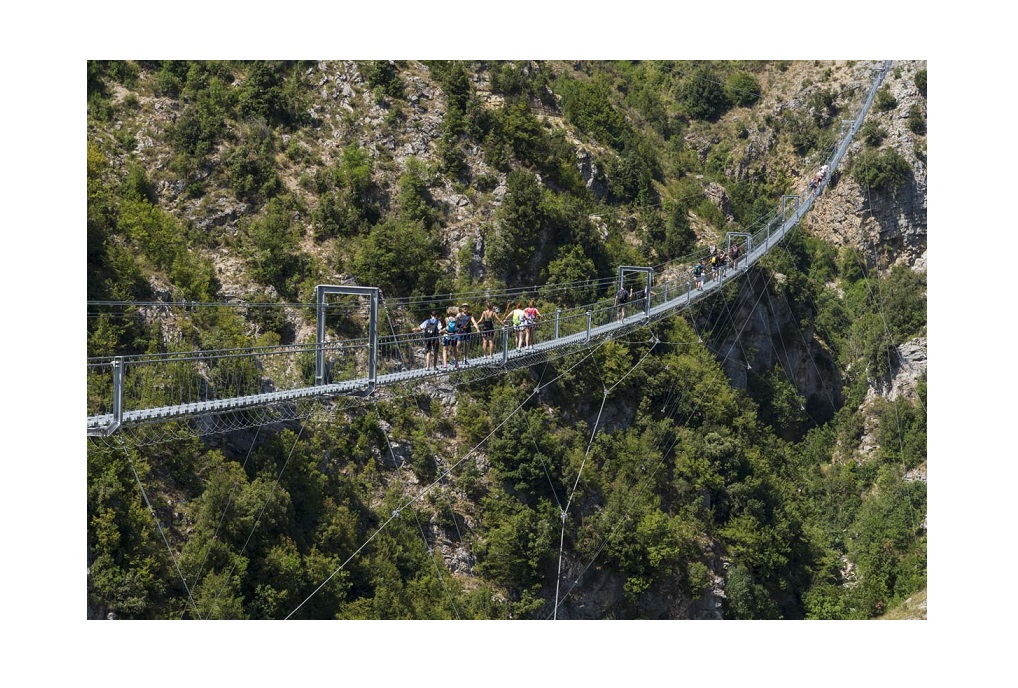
686 480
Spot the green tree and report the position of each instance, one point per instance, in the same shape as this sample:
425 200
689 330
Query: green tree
742 88
872 133
251 163
588 105
916 120
513 243
884 171
415 202
400 257
822 105
383 75
702 95
271 245
745 598
573 268
885 100
514 545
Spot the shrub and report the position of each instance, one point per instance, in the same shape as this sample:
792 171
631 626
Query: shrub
251 164
400 257
916 120
850 264
588 106
170 78
801 129
903 298
703 96
194 275
271 245
195 132
273 92
822 106
872 133
571 265
156 232
382 74
742 88
920 82
137 186
885 100
884 171
519 80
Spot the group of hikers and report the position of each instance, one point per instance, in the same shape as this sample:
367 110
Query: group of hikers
717 265
814 183
458 329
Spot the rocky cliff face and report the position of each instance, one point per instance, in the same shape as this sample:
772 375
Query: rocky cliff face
766 335
887 228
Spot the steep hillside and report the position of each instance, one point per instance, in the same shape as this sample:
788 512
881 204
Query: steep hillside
764 459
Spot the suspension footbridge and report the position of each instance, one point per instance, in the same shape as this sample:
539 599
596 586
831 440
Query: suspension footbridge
126 391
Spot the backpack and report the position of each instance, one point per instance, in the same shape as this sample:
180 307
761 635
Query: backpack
623 295
450 326
698 270
431 328
517 317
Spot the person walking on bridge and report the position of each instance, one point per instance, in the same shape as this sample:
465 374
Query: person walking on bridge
449 338
621 299
518 318
432 328
465 327
531 314
486 326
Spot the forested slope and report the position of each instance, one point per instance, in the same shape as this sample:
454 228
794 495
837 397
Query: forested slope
762 457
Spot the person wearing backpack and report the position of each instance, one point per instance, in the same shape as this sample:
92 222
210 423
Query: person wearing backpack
621 299
465 326
449 339
518 317
698 276
735 256
431 328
